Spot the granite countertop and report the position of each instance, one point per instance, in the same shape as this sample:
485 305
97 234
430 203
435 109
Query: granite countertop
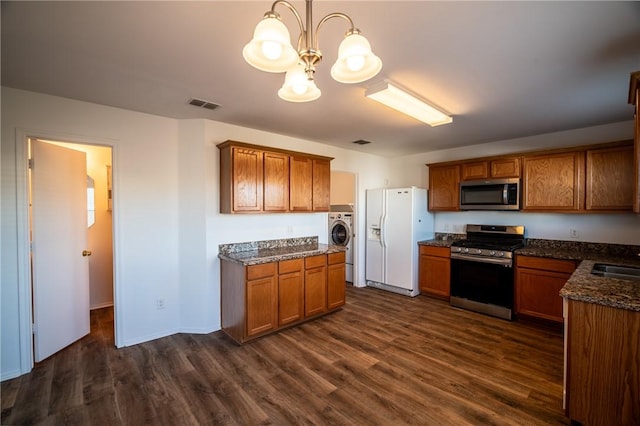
616 293
442 240
259 252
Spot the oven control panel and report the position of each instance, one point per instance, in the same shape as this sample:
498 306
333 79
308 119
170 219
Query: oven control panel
482 252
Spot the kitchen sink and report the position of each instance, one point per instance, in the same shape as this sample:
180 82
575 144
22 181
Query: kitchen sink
616 271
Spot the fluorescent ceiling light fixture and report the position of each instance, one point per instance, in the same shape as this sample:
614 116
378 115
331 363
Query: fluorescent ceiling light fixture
399 99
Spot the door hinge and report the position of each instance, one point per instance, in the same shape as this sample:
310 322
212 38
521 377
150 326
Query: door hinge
30 163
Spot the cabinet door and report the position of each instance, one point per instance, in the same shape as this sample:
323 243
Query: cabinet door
300 184
505 168
434 271
315 285
444 188
636 156
321 185
538 293
634 99
477 170
553 182
336 283
290 297
610 178
262 305
247 179
276 182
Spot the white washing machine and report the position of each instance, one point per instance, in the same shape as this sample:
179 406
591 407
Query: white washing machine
341 234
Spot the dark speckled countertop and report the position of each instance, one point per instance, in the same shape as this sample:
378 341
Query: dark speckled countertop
258 252
582 286
616 293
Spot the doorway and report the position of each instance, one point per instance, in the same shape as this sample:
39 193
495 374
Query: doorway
97 220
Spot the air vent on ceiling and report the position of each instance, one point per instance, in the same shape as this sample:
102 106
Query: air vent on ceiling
361 142
203 104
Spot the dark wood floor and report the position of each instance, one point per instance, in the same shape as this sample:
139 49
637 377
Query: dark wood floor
384 359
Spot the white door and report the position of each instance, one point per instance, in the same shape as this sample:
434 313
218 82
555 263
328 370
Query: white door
59 235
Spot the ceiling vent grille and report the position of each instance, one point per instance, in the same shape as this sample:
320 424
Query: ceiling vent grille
203 104
361 142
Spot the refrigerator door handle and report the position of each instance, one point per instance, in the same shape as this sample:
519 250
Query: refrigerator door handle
383 230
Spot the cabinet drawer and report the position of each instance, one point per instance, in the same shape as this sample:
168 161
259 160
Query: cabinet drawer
315 261
334 258
287 266
556 265
435 251
260 271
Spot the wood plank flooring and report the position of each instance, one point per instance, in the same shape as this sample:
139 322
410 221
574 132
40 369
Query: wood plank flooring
384 359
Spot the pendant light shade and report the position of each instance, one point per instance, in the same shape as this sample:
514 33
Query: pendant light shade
270 49
297 87
356 62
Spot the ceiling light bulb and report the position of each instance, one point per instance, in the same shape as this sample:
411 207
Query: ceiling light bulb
297 87
271 49
355 63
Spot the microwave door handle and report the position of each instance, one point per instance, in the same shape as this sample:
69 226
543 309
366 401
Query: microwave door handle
505 194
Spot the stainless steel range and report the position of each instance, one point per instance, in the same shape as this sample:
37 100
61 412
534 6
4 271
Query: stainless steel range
482 277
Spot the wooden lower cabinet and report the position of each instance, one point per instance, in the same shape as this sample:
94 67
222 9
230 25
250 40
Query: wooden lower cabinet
262 298
602 364
336 283
290 291
434 271
538 284
259 299
315 285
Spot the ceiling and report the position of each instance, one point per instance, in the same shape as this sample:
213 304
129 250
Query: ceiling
503 69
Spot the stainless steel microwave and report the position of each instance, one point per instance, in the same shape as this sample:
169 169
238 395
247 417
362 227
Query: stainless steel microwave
490 194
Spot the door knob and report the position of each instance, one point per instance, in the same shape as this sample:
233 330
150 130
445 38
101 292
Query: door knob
86 252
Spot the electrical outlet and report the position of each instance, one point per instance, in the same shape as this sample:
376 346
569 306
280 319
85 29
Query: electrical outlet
446 227
159 303
573 233
289 230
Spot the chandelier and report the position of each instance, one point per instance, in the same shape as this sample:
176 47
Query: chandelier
270 50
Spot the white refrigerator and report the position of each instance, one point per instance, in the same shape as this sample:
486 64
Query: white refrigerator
397 218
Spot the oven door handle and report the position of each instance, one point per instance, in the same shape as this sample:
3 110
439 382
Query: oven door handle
496 261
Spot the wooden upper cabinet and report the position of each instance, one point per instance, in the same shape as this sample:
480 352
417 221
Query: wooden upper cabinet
476 170
505 168
244 181
609 179
321 176
634 99
444 187
553 182
300 184
256 179
498 168
276 182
